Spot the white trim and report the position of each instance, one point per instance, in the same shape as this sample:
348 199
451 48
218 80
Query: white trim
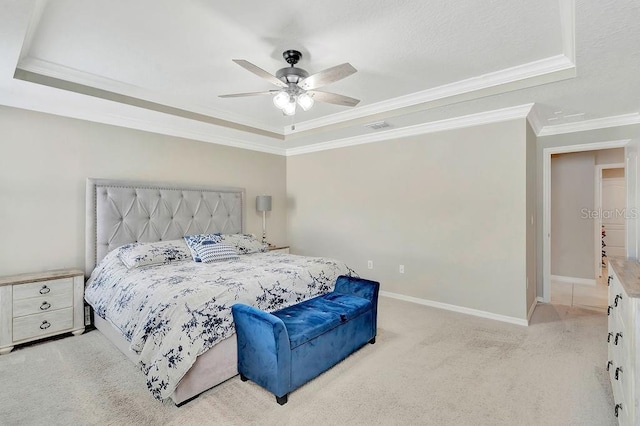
32 27
535 73
455 308
631 184
540 299
149 126
150 122
531 309
597 223
535 119
495 116
61 72
546 202
598 123
573 280
568 28
509 76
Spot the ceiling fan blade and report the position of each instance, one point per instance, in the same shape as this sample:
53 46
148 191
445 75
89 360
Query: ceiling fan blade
260 72
327 76
333 98
240 95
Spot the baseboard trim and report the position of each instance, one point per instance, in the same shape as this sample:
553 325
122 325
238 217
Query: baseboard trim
540 299
573 280
455 308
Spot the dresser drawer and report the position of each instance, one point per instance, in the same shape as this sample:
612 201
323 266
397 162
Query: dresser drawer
38 305
41 324
49 288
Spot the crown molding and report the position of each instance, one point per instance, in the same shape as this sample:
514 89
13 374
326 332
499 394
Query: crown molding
517 77
535 119
568 28
595 124
22 96
494 116
534 73
63 73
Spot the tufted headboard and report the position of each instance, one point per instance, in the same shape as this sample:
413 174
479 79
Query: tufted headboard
121 212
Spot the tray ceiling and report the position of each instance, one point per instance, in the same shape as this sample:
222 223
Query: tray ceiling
160 65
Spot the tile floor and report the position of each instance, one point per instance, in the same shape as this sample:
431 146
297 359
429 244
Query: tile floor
581 295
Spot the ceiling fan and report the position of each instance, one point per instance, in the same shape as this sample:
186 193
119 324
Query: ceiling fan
297 86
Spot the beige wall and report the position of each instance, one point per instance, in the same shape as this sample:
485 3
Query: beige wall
450 206
572 235
45 159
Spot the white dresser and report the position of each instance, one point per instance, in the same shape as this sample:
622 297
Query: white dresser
624 338
39 305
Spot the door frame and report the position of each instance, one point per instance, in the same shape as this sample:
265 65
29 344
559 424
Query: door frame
597 224
546 201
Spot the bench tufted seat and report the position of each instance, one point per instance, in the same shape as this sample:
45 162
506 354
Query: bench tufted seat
284 349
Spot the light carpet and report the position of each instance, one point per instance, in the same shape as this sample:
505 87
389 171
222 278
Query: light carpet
428 367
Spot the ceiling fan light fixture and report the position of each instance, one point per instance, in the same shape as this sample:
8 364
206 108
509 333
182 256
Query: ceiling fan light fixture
290 108
305 101
281 100
296 86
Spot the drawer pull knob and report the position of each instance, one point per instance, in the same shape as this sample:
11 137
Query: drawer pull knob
618 407
45 289
618 371
609 278
618 336
45 306
46 324
609 364
609 336
615 302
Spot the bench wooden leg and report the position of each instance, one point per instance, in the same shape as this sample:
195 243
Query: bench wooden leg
372 341
243 378
282 399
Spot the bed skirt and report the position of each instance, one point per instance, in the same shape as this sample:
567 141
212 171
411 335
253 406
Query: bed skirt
213 367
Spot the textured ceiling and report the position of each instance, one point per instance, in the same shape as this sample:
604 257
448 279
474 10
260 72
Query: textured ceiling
417 61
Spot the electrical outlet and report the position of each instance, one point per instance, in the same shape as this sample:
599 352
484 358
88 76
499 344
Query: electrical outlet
401 269
370 264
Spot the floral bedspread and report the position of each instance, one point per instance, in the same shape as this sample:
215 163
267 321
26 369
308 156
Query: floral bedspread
172 313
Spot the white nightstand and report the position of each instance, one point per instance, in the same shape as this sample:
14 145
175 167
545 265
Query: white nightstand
39 305
276 249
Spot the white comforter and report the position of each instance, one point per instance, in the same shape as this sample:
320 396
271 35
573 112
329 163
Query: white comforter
172 313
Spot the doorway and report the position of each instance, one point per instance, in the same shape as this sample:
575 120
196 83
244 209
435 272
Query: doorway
546 205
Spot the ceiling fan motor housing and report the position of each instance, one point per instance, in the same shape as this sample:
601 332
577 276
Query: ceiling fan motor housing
292 74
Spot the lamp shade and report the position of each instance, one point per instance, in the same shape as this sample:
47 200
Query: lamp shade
263 203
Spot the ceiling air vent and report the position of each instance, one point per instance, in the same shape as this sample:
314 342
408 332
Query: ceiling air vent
377 125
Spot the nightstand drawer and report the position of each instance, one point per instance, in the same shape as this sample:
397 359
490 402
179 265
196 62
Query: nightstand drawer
41 324
38 305
49 288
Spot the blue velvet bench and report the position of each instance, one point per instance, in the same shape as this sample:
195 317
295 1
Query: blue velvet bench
283 350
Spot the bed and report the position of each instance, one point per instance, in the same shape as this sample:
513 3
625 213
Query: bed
198 349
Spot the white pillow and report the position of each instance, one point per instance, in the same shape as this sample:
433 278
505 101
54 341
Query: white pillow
140 254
